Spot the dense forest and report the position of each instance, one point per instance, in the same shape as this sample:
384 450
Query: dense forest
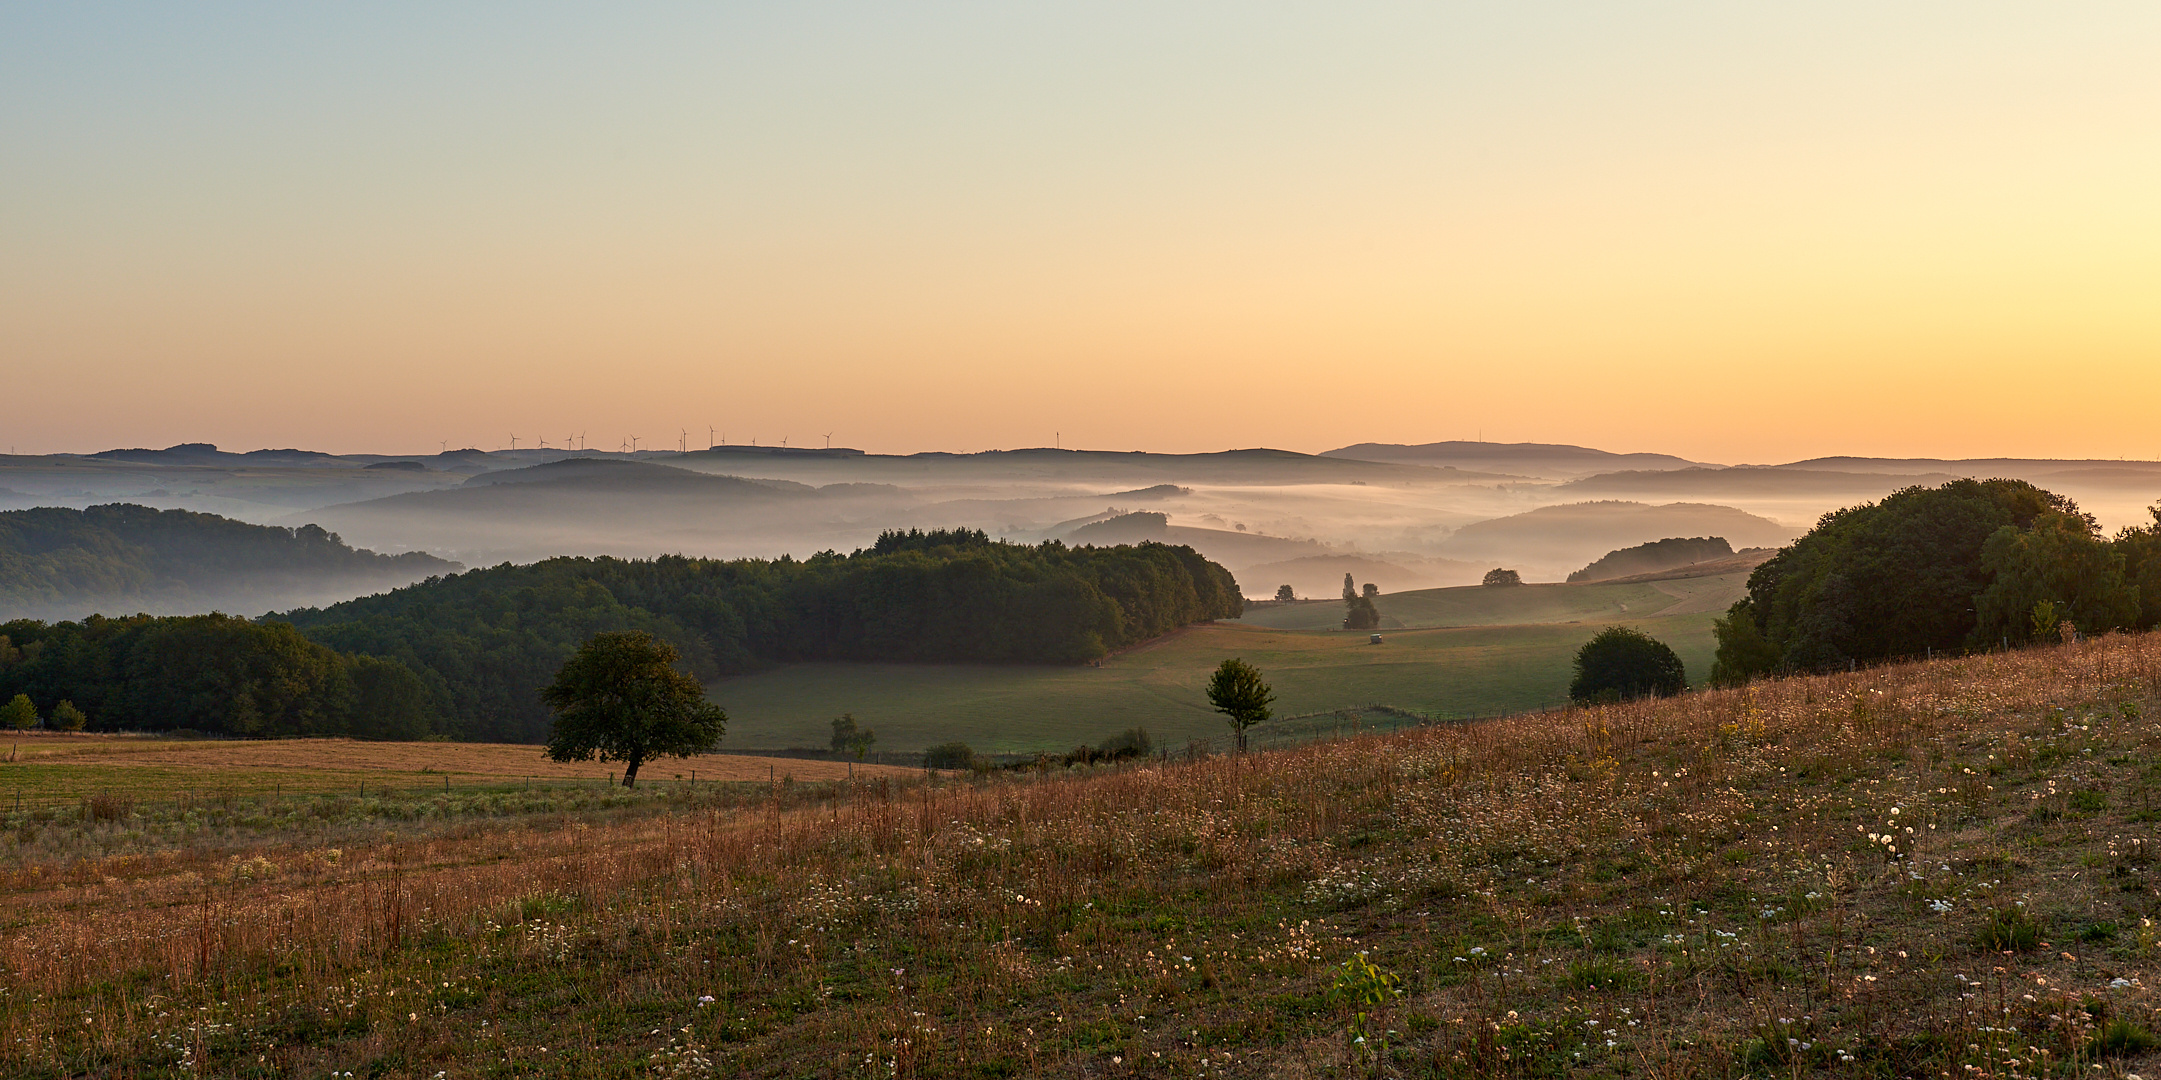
123 558
1968 565
488 637
219 674
1655 556
464 654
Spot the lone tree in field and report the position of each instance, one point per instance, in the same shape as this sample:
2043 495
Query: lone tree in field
20 714
848 738
1620 664
620 698
1284 594
1499 576
1236 690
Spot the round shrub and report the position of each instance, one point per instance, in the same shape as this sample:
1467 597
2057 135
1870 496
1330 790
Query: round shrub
1621 664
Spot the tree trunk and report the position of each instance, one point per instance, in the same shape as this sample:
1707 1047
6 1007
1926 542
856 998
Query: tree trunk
630 772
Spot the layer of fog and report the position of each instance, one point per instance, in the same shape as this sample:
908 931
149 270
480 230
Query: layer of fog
1423 517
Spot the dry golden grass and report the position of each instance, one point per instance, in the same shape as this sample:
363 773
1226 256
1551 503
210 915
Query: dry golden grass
1936 869
411 760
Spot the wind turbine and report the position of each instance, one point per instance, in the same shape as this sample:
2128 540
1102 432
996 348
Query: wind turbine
682 441
709 443
829 440
513 440
625 448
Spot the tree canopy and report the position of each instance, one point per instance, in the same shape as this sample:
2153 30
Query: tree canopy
483 639
1237 691
1621 664
1358 610
620 698
1934 569
213 673
1654 556
1502 577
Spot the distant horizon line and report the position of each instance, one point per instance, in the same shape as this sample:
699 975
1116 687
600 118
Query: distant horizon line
209 450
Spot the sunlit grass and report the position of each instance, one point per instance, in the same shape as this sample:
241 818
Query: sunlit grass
1935 869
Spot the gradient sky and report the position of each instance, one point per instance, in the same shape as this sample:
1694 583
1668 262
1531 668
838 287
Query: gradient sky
1738 232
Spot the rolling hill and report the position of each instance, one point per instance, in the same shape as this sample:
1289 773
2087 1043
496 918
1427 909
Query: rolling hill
119 559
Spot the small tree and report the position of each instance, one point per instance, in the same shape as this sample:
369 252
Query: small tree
66 717
1620 664
949 755
20 713
1284 593
1130 743
620 698
1236 690
851 739
1371 590
1498 576
1360 614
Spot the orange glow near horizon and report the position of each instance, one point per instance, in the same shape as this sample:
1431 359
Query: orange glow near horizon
1737 237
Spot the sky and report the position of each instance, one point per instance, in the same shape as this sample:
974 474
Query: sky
1735 232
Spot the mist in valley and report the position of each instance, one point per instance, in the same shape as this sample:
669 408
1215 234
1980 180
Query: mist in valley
1402 517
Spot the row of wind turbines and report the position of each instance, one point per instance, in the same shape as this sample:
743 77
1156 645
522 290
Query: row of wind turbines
714 439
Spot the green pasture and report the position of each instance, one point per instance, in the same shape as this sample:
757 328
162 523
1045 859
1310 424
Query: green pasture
1477 605
1446 672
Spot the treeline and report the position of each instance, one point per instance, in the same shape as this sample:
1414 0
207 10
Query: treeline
486 638
1655 556
464 654
1969 565
121 555
217 674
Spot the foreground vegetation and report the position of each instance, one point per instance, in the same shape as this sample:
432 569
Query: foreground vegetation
1935 869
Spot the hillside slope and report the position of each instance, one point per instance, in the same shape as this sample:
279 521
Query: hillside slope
120 559
1930 870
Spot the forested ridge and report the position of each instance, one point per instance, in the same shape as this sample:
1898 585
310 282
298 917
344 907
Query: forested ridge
471 650
1968 565
118 556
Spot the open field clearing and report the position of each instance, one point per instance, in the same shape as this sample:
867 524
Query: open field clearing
1478 605
42 767
1443 673
1936 869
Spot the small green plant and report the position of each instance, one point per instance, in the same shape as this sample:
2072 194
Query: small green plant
2044 617
1364 986
2098 932
2123 1038
2011 929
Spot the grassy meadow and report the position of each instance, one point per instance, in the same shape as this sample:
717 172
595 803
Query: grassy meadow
1472 652
1478 605
47 769
1937 869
